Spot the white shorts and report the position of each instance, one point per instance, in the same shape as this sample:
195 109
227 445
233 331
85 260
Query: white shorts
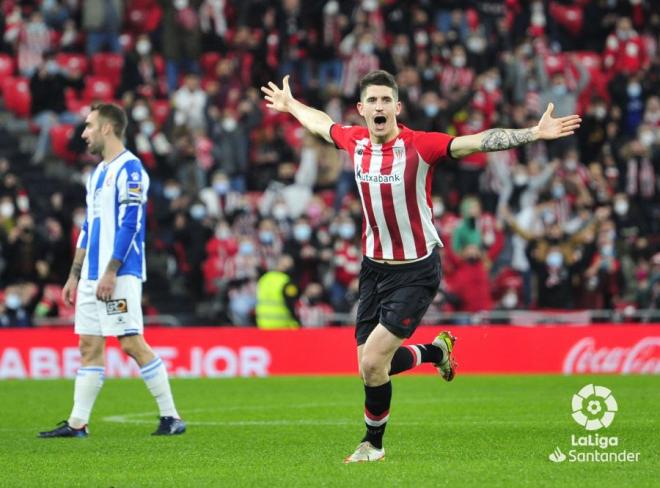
120 316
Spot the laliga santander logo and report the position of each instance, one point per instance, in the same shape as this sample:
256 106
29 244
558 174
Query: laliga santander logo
594 407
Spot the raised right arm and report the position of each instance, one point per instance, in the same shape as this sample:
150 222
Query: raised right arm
280 99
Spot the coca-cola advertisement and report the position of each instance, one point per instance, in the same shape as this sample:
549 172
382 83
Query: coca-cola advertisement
230 352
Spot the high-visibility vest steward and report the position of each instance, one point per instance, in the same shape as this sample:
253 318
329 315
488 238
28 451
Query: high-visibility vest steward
272 311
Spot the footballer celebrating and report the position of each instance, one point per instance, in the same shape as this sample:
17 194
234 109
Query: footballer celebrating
400 271
107 274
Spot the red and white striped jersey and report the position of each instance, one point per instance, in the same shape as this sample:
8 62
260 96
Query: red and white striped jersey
394 180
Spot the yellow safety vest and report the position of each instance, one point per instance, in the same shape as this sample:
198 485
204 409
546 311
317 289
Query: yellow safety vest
271 309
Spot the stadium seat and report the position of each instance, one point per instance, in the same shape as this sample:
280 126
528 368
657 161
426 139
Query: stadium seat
16 95
208 63
60 135
108 65
7 66
160 110
98 88
71 62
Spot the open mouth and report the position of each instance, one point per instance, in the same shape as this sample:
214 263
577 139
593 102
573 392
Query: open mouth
379 122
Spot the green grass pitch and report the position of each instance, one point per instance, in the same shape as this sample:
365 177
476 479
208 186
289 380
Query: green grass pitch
477 431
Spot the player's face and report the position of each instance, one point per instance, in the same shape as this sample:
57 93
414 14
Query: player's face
92 134
379 108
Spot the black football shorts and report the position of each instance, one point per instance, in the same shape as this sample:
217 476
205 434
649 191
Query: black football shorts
395 295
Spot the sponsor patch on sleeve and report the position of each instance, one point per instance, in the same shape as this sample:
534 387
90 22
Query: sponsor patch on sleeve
134 191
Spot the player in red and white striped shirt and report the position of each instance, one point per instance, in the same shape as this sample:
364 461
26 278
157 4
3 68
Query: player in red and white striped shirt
401 269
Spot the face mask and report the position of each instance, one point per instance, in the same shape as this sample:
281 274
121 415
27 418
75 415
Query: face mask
520 179
607 250
13 301
559 90
52 67
280 212
510 300
646 138
600 112
172 192
558 191
7 210
148 128
621 207
143 47
490 84
622 34
302 233
314 300
79 220
431 110
198 212
180 4
366 48
438 209
571 164
140 113
555 259
458 61
222 233
229 124
266 237
472 259
634 90
314 212
221 187
346 231
246 249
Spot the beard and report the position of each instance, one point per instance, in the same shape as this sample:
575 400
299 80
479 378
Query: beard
95 149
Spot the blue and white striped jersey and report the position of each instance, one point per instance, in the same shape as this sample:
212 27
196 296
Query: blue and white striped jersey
116 218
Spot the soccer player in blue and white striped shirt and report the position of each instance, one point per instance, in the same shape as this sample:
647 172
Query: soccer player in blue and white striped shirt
107 274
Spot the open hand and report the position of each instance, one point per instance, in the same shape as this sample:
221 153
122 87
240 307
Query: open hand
278 98
551 128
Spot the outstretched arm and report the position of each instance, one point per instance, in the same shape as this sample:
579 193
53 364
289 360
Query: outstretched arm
548 128
280 99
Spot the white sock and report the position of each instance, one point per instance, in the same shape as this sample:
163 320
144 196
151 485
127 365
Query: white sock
154 374
89 381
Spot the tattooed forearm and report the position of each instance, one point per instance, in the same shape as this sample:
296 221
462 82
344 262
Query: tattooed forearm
113 266
76 268
500 139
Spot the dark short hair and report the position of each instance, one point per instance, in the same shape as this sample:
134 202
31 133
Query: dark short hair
114 114
381 78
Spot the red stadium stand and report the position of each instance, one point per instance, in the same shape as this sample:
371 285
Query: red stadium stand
161 110
208 63
60 136
98 88
108 65
16 95
72 62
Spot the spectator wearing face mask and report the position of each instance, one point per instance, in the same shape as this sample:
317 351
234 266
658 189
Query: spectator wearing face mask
564 96
313 311
346 262
592 133
139 71
230 132
468 288
624 49
47 89
302 247
270 243
603 282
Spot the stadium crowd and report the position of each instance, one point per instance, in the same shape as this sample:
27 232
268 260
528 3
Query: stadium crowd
569 225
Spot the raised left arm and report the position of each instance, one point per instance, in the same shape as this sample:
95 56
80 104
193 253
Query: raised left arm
548 128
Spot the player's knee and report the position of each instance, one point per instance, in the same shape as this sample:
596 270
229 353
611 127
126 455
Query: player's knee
373 368
91 351
135 347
